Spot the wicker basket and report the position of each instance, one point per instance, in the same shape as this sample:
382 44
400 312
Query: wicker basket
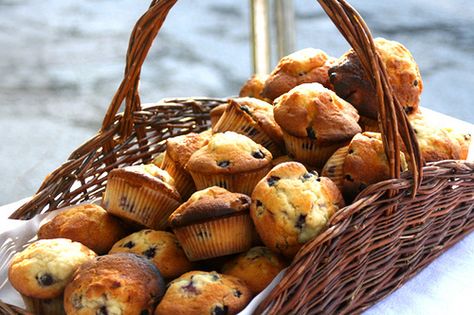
372 247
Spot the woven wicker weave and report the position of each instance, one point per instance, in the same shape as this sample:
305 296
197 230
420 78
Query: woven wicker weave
372 247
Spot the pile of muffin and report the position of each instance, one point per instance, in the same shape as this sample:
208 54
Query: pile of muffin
211 221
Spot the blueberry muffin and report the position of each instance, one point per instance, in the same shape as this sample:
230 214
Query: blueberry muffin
290 206
229 160
43 269
121 283
142 194
213 222
439 143
88 224
304 66
350 82
253 87
216 113
256 267
253 118
204 293
178 151
315 122
161 248
362 163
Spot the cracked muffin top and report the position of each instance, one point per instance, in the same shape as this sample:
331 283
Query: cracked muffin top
160 247
350 82
44 268
199 292
207 204
253 87
304 66
290 206
180 148
311 110
117 284
229 152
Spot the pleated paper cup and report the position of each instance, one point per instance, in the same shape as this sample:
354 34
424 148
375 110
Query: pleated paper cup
308 151
243 182
138 204
334 167
234 120
215 238
182 179
54 306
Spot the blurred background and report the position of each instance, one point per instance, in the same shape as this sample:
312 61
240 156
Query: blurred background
61 61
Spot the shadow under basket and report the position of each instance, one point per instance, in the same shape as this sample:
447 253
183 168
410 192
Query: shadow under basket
371 247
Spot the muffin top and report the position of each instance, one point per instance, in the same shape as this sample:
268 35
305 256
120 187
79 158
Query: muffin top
257 267
311 110
260 113
199 292
148 175
438 143
212 202
88 224
44 268
303 66
180 148
253 87
160 247
229 152
115 284
350 82
290 206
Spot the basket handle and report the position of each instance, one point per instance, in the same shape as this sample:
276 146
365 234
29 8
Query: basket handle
141 39
392 119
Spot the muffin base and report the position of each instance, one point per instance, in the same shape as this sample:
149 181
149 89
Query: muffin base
138 204
219 237
233 120
240 182
54 306
182 180
308 151
334 168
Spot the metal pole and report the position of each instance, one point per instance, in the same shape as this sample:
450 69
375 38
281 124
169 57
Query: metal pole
285 27
260 39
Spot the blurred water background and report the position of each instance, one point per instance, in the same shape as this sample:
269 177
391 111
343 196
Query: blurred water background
61 61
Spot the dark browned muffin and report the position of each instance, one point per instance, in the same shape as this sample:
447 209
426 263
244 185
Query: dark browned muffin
350 82
121 283
213 222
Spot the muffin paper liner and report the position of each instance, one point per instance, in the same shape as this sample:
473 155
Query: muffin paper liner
54 306
182 179
138 204
243 182
334 168
219 237
234 120
307 151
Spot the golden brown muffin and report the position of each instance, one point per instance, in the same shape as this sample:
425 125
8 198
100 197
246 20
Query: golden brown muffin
142 194
257 267
253 87
253 118
439 143
161 248
42 270
304 66
216 113
178 151
315 122
213 222
121 283
363 163
290 206
204 293
350 82
88 224
229 160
